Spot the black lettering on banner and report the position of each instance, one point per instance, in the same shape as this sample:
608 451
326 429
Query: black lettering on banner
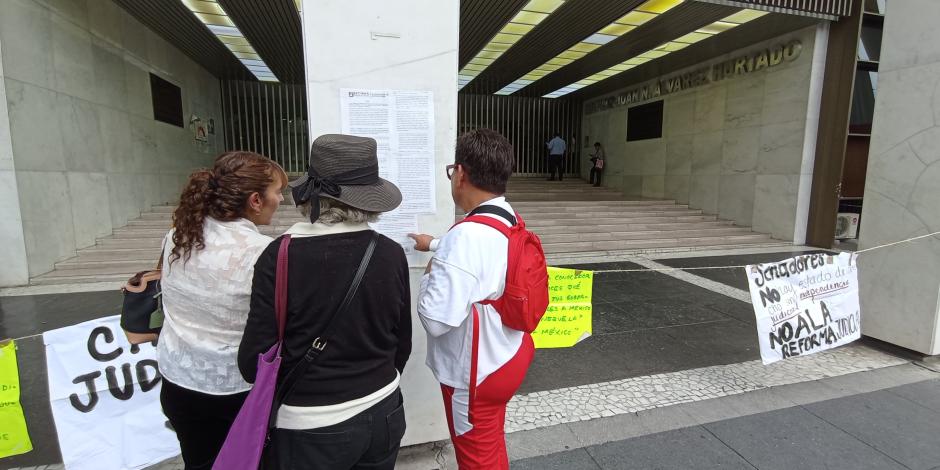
89 380
769 294
784 334
147 384
121 393
108 338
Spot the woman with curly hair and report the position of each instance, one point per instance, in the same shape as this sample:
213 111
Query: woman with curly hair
209 263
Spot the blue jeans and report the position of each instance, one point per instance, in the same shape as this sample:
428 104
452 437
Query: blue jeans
369 440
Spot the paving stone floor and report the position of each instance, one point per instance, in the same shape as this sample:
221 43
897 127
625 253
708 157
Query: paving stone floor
893 428
660 341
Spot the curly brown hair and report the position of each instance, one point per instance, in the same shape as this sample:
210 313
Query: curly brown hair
222 193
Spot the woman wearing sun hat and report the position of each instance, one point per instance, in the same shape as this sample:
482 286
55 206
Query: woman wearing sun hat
344 410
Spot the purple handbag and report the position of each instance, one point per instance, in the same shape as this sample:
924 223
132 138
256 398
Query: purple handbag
246 438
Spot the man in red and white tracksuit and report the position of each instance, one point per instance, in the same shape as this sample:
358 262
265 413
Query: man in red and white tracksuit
469 267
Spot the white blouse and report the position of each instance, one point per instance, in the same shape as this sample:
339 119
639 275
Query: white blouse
205 303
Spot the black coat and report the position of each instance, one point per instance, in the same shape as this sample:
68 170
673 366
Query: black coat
369 342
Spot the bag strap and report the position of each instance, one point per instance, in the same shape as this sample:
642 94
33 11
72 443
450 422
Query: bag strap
320 342
494 210
280 287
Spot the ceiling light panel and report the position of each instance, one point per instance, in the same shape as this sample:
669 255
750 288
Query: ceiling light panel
640 15
677 44
521 24
211 14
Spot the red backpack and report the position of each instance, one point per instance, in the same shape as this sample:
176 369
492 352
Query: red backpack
525 297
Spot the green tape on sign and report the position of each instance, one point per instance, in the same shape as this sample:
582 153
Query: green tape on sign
14 438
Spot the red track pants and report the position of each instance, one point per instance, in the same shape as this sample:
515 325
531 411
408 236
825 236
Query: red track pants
484 446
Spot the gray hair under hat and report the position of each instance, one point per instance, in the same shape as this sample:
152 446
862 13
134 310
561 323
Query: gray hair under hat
345 168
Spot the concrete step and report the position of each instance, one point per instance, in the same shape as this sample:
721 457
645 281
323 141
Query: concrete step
589 206
630 227
652 219
48 279
586 203
602 246
689 232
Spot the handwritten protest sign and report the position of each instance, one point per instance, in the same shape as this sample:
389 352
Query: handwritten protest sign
567 320
805 304
14 438
105 396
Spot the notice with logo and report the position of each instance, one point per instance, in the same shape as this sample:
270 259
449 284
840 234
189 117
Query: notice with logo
805 304
402 123
105 397
14 438
567 320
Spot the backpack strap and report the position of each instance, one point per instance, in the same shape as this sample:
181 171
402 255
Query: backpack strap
488 221
495 210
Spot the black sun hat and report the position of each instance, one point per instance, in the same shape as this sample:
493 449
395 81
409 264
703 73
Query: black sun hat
345 168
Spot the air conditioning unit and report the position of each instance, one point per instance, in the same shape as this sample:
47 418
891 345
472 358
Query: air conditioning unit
846 225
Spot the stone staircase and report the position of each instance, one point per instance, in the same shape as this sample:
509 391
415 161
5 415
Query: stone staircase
571 217
574 218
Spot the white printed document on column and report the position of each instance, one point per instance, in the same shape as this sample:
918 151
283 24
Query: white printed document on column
805 304
402 122
105 397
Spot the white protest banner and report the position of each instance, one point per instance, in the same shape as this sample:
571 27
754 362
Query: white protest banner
105 396
805 304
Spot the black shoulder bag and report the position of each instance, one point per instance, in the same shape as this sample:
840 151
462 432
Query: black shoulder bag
320 342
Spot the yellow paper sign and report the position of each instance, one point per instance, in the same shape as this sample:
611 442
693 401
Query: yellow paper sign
14 439
568 317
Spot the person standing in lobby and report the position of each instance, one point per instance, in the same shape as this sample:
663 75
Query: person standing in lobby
597 164
556 157
209 263
347 334
468 269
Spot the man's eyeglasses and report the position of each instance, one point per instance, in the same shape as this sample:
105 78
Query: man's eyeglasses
449 169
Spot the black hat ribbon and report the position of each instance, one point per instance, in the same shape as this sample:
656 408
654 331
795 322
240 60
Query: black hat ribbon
317 185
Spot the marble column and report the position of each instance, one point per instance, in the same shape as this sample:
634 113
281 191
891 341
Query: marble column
400 45
15 270
900 284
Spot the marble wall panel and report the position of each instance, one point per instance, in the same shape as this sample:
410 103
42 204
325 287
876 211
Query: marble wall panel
899 284
26 34
718 139
106 22
775 201
679 116
912 23
892 173
110 80
73 59
37 139
786 92
15 265
912 102
73 10
703 193
631 186
47 218
653 157
68 66
137 83
706 153
78 124
781 148
654 186
710 109
739 150
679 155
91 208
677 187
736 198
